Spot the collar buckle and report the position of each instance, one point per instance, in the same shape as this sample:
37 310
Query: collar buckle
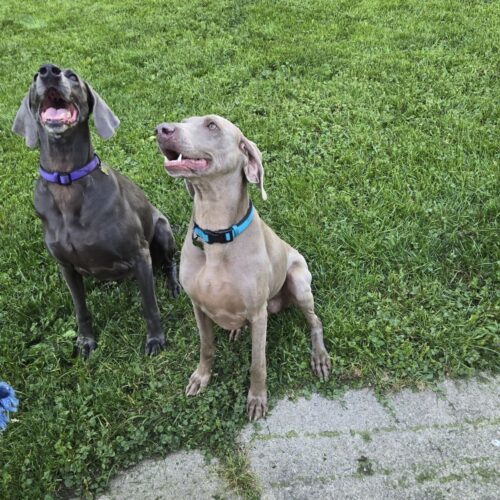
64 179
197 241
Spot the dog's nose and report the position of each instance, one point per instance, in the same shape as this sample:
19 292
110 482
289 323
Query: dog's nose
165 129
49 71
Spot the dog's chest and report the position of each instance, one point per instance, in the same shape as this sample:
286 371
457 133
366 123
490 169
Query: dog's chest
218 296
92 250
90 245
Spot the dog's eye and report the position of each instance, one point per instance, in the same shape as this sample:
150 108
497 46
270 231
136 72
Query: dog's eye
73 77
212 126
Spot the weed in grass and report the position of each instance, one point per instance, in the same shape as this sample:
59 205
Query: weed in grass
237 474
365 466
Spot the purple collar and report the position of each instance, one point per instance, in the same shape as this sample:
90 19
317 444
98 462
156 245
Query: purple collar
66 178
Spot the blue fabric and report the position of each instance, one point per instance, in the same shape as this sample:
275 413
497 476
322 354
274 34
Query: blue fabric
8 403
200 233
238 229
224 235
66 178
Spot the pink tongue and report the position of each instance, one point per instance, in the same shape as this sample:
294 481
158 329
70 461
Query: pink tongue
56 114
186 163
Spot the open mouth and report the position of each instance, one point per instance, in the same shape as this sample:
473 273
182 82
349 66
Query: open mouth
55 110
176 162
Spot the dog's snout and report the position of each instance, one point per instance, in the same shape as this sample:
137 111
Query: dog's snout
165 129
49 71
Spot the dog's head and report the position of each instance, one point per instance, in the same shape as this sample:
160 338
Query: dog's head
58 100
209 146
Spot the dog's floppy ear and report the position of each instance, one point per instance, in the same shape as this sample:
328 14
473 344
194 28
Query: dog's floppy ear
25 124
105 120
254 172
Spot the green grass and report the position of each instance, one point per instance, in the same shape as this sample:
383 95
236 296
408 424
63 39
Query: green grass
378 123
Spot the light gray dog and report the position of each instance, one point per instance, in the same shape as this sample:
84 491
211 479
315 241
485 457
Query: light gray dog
96 222
233 266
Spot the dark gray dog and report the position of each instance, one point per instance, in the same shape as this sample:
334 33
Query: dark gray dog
96 221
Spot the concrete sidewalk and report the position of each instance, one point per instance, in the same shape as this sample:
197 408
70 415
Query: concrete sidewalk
443 444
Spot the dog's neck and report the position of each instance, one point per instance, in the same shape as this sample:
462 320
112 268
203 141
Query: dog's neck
66 152
220 202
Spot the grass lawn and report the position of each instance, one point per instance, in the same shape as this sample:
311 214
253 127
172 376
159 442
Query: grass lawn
378 123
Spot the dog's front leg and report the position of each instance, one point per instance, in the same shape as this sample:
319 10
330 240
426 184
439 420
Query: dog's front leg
201 376
143 270
257 395
85 342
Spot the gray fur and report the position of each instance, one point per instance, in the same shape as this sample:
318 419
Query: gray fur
101 225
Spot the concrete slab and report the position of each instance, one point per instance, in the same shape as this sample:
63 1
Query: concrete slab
473 398
421 445
357 410
392 459
181 475
421 408
424 446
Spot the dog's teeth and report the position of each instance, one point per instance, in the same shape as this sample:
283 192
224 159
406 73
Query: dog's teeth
180 157
166 159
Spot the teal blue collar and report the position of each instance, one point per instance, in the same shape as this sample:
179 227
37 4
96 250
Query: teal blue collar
223 235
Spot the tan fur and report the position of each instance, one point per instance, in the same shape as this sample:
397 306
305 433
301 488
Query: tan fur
243 281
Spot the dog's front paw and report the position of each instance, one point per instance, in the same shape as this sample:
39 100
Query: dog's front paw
321 364
155 344
256 406
84 346
197 383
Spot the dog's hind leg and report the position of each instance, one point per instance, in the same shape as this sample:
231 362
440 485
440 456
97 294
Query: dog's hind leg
164 246
298 283
85 342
